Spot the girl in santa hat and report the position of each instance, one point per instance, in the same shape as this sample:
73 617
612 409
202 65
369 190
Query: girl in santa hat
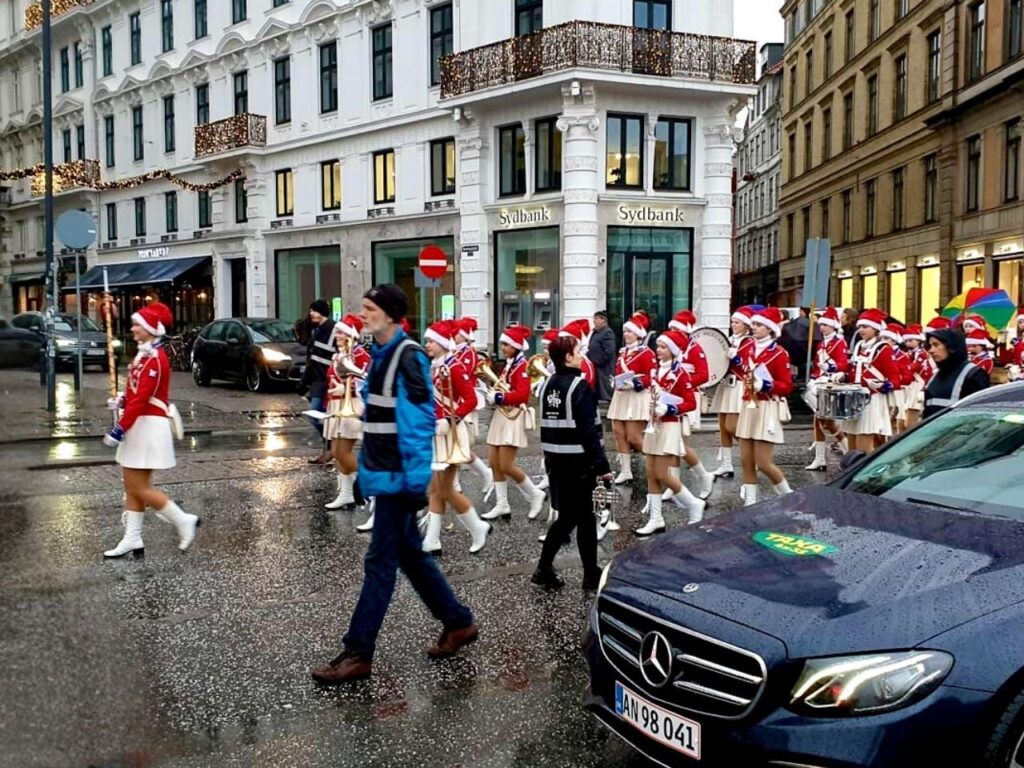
630 405
455 400
465 335
1015 366
873 368
978 350
767 383
144 435
579 330
728 398
695 363
672 397
892 335
343 432
921 368
508 432
830 358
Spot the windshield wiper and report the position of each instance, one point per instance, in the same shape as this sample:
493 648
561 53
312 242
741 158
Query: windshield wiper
940 505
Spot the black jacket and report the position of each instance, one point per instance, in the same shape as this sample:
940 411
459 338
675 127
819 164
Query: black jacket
602 354
570 432
319 351
956 377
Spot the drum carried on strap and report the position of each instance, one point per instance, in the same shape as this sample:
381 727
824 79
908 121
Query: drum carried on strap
716 349
840 402
810 394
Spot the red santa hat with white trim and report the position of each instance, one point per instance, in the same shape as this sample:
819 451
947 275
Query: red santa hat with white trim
674 340
893 331
639 324
1020 316
938 324
350 325
517 336
830 318
466 327
684 320
978 338
156 318
441 333
743 315
872 318
770 318
975 323
914 332
577 329
547 338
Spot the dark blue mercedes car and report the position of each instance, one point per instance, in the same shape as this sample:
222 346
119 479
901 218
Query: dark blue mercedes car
874 621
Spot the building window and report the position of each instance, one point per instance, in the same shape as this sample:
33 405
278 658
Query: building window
805 221
808 145
872 105
792 155
934 65
135 38
898 293
140 217
167 24
171 211
902 8
202 104
240 86
548 151
900 106
107 48
442 39
897 199
79 69
976 40
847 216
65 70
848 120
205 210
876 20
199 25
108 139
624 153
828 55
929 303
285 185
239 11
111 221
138 140
869 290
283 91
851 37
512 162
330 185
869 208
442 167
66 142
279 3
241 202
1011 161
809 72
973 172
672 155
1015 29
384 176
826 133
652 14
792 87
329 77
529 16
80 141
791 233
168 123
826 223
931 188
382 63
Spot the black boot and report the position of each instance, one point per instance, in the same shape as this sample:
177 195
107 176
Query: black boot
547 578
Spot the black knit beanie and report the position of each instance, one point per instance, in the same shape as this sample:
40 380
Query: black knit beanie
391 299
321 307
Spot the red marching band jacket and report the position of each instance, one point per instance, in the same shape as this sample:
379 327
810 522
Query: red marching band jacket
742 349
467 357
360 357
515 376
463 392
984 361
872 363
831 356
902 361
674 380
638 361
589 373
921 365
695 363
776 360
149 379
1017 353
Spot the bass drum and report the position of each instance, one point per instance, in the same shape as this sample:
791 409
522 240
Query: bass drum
716 349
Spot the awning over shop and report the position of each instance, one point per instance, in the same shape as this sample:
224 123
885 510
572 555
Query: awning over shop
137 273
26 277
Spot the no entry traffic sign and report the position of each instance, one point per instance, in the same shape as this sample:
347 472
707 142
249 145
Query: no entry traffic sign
433 262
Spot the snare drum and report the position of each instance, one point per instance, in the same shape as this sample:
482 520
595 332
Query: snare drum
842 402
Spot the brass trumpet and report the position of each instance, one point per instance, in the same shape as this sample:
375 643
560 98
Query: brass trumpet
349 372
652 419
496 384
537 368
445 396
748 385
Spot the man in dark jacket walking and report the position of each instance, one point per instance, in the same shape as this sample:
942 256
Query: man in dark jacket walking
395 467
602 354
319 351
955 376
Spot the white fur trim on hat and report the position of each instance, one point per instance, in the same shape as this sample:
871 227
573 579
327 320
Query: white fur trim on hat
445 343
762 320
633 328
506 339
913 337
979 343
877 326
829 322
673 348
745 319
348 330
159 330
675 325
887 334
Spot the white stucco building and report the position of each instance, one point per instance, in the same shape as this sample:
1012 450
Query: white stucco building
569 155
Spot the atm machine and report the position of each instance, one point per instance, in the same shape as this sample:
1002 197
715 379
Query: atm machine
537 309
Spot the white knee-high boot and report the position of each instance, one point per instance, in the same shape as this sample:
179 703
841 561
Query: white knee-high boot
501 507
184 522
672 472
820 463
625 469
725 466
478 466
368 525
432 539
749 494
655 522
477 528
781 489
132 539
706 480
693 506
346 495
534 495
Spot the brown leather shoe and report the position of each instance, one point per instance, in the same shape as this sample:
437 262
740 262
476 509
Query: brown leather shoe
345 667
323 458
451 640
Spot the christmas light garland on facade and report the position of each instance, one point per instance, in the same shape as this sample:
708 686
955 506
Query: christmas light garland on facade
86 173
34 13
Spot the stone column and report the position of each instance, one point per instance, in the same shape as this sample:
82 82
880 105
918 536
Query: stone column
474 269
714 280
259 284
579 124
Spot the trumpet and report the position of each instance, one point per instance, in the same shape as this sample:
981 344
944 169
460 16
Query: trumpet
537 368
652 418
444 394
748 386
348 371
496 384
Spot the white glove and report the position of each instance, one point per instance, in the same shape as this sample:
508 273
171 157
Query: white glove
441 427
874 385
490 398
115 403
837 378
763 384
660 410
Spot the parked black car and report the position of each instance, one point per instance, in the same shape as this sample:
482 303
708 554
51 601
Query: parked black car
253 350
94 340
19 348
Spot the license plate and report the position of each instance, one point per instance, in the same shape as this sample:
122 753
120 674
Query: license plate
656 723
96 352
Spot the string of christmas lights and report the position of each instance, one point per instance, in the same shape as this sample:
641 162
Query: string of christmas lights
34 13
86 173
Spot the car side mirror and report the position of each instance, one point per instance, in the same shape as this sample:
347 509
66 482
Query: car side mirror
851 458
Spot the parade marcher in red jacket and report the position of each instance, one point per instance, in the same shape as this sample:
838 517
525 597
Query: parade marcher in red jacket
1015 364
873 368
830 357
629 407
580 331
672 397
695 363
893 336
144 435
921 368
979 352
767 383
728 399
509 424
465 335
455 400
344 375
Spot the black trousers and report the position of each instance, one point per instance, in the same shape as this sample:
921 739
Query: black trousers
571 490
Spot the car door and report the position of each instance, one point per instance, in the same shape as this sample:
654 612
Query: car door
211 351
8 344
236 349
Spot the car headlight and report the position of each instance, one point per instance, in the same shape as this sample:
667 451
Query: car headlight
604 577
273 356
65 343
867 685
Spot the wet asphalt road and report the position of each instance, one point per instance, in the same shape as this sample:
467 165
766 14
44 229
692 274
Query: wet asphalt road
202 659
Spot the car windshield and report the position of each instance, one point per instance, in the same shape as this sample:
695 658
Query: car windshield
70 323
970 459
271 330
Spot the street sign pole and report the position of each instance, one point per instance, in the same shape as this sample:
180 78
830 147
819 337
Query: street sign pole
78 324
51 273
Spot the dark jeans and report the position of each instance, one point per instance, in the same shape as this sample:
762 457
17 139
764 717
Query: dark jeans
316 404
397 543
570 495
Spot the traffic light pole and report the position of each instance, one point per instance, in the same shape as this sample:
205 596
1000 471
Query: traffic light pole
51 272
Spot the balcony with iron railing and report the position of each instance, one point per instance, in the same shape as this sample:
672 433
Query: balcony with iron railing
34 12
236 132
608 47
68 176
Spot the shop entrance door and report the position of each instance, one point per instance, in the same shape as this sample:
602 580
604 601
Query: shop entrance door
641 282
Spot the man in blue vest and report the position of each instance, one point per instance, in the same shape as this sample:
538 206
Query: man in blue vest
394 466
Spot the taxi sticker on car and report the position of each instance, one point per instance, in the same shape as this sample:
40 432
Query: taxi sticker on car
792 545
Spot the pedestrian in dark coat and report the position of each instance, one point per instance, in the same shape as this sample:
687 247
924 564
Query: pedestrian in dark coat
955 376
602 353
320 350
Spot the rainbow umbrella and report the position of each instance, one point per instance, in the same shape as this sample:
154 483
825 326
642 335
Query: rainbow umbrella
993 304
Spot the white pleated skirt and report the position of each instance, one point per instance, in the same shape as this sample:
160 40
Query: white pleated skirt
913 396
667 440
149 444
472 423
875 419
443 445
762 423
728 398
507 432
898 403
338 428
629 405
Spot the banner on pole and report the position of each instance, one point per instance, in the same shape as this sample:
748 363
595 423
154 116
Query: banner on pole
817 272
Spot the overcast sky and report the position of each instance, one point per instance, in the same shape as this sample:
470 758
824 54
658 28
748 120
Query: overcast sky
758 20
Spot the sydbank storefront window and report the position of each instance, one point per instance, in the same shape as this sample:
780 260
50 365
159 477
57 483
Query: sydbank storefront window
649 269
397 261
527 274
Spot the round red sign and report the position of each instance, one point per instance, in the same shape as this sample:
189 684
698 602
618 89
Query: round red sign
433 262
